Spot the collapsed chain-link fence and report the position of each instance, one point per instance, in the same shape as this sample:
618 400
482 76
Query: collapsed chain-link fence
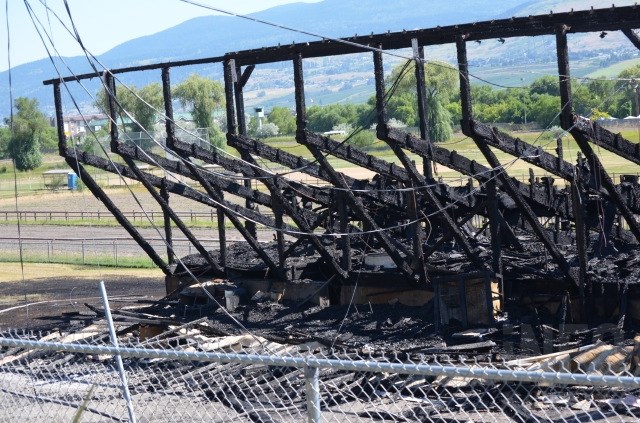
185 374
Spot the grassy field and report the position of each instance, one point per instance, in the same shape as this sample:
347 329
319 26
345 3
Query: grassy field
613 70
12 272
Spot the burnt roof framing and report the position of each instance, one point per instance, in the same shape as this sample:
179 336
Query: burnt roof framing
608 19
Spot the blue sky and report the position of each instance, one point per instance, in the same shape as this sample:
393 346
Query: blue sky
102 24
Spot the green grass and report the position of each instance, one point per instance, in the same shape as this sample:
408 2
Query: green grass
73 259
613 70
110 222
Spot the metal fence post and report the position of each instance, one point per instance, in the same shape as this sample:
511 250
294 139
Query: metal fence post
114 341
312 386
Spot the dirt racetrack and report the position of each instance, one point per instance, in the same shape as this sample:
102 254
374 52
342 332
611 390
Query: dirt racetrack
54 295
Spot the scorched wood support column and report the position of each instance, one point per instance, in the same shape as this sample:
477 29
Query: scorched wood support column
506 182
418 57
415 176
354 202
231 84
168 236
170 129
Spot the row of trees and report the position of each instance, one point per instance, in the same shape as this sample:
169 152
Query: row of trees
539 102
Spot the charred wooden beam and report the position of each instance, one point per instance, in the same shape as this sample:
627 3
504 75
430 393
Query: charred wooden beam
249 169
172 187
462 164
300 164
632 36
610 19
238 86
168 235
506 181
221 183
523 150
495 224
382 167
418 55
606 139
73 162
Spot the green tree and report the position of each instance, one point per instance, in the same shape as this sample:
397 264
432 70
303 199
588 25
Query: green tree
5 138
28 125
546 85
283 119
203 96
545 109
441 81
325 118
628 80
140 104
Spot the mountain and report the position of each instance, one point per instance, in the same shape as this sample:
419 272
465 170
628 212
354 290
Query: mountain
216 35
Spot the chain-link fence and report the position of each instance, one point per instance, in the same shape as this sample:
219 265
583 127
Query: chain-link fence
187 373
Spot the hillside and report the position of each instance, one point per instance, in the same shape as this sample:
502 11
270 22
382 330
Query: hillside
215 35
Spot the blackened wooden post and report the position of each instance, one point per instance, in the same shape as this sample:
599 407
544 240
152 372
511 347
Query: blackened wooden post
171 134
242 130
465 85
345 245
229 72
581 243
110 88
222 232
418 55
278 211
239 96
564 75
494 225
169 124
171 258
416 226
301 125
171 137
62 138
231 87
381 108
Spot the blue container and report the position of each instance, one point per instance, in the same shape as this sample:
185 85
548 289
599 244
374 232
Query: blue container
72 180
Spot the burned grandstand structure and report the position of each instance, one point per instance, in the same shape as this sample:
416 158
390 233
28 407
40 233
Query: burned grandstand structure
562 247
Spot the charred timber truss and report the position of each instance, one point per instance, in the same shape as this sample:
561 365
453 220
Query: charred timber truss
402 211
